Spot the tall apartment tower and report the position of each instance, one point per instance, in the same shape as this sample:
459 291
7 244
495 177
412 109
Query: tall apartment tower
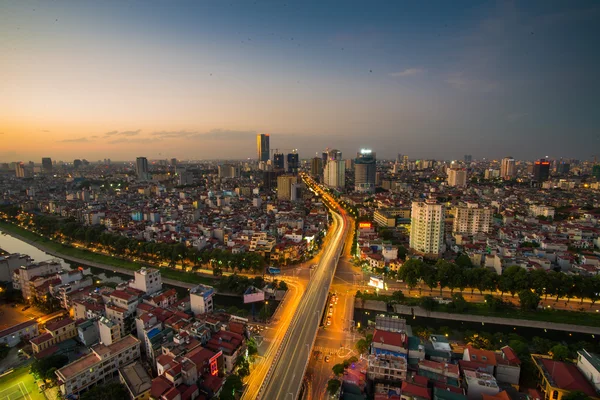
284 186
262 147
293 163
47 165
334 155
427 227
278 161
365 169
335 174
470 219
141 168
316 167
457 177
20 170
468 158
508 168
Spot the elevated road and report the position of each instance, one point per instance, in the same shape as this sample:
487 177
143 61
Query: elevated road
284 379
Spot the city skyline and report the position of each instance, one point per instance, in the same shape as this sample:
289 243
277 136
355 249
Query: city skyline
200 81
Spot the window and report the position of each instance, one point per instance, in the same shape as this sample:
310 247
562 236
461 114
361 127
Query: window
555 394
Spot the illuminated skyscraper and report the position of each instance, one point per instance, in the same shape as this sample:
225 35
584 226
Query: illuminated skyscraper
293 163
541 170
335 174
316 167
278 162
427 227
262 147
457 177
365 168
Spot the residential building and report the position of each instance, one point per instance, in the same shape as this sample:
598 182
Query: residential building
109 331
558 378
20 170
508 168
136 380
388 358
486 358
201 299
25 273
471 219
12 336
148 280
479 384
97 367
293 163
9 263
278 161
228 171
589 365
545 211
56 332
231 344
334 174
457 177
391 217
508 366
316 167
47 165
284 186
88 332
427 227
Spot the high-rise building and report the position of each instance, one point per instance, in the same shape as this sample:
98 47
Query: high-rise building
457 177
47 165
508 168
325 157
262 147
278 161
563 168
141 168
228 171
405 163
293 163
284 186
470 219
334 155
316 167
427 227
77 164
399 158
468 158
335 174
174 162
596 171
541 170
349 164
365 168
20 170
201 299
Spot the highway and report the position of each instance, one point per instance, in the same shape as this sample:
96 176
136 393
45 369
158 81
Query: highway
284 379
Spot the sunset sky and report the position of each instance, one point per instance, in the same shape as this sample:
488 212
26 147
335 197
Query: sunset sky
198 79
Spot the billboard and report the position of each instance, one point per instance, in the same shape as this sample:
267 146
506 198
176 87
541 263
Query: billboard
273 270
365 225
376 281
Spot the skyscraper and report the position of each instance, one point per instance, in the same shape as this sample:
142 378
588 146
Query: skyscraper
316 167
141 168
427 227
541 170
468 158
20 170
47 165
293 163
324 157
334 155
262 147
278 161
507 168
77 164
457 177
365 168
335 174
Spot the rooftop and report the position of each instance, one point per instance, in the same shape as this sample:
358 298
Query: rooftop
137 379
564 375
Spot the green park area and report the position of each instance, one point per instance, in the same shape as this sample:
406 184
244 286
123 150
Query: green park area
19 384
68 251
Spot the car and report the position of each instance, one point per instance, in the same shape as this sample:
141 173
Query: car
328 322
25 308
327 358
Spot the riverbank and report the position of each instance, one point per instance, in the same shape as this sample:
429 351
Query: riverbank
80 256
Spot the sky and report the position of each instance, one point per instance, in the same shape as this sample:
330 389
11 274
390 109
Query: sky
199 79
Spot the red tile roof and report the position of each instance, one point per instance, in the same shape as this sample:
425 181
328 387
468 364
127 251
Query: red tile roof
416 390
499 396
391 338
567 376
41 339
481 356
160 385
59 324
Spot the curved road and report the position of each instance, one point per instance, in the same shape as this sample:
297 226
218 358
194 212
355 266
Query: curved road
285 377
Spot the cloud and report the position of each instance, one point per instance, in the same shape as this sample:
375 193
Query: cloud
1 133
214 134
407 72
122 133
45 130
94 137
468 84
137 141
78 140
514 117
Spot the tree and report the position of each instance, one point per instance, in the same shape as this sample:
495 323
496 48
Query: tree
576 395
44 367
333 385
428 303
529 300
559 352
115 390
233 384
514 279
283 286
338 369
4 349
459 303
398 296
243 368
362 346
464 261
410 272
252 347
